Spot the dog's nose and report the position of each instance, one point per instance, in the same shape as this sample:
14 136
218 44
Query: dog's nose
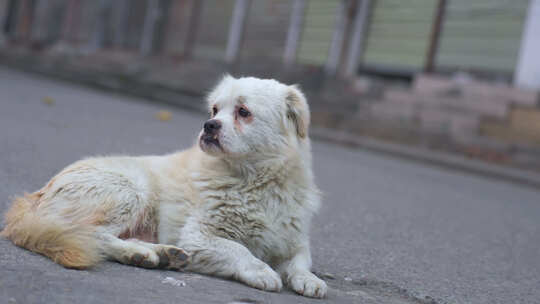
212 126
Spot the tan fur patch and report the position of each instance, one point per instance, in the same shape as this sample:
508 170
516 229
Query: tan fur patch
73 246
295 113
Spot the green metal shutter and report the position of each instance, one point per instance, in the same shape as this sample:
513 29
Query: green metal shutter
319 22
398 34
266 30
481 35
214 29
137 13
177 26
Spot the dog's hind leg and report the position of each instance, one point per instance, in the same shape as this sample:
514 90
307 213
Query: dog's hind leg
142 254
128 252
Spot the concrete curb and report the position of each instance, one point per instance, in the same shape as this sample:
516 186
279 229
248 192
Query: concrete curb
431 157
176 97
120 83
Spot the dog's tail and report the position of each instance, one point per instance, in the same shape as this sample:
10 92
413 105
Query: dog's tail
70 245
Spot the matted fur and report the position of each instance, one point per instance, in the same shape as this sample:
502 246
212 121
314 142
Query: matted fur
238 204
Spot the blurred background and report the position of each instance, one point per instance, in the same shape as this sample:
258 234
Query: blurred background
459 76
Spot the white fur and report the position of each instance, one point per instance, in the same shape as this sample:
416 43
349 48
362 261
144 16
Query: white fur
241 211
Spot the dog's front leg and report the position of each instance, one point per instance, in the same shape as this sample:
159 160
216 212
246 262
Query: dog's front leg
298 276
218 256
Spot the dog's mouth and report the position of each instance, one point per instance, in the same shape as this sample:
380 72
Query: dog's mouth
210 140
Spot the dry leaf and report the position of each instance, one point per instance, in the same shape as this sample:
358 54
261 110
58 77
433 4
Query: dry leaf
48 101
164 115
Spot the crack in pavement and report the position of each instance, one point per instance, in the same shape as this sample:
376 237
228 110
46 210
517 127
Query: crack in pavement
369 290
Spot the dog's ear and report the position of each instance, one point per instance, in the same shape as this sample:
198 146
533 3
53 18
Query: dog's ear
297 110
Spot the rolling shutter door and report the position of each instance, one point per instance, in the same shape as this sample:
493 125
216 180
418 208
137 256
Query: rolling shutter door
398 34
214 29
319 22
266 30
481 35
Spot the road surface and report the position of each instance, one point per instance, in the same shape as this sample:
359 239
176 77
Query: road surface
390 230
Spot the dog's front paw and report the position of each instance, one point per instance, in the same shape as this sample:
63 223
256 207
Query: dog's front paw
307 284
172 258
261 277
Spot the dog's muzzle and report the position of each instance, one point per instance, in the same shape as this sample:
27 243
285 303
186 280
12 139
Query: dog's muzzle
212 126
211 131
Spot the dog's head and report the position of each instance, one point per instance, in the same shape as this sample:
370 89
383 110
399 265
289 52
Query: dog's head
254 117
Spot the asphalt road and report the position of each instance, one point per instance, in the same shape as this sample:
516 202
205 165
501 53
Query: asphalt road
390 230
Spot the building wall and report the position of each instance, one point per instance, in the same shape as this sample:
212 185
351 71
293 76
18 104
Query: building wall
48 19
476 35
3 15
528 68
137 13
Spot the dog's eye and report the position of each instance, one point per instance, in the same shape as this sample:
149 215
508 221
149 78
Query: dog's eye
243 112
214 111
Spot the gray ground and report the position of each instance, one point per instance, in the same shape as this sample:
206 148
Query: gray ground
390 231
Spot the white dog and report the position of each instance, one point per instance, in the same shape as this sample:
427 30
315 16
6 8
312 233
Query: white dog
236 205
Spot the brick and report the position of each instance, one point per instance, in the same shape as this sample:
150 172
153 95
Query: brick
435 120
484 89
401 96
464 128
435 101
478 105
526 122
386 110
524 97
498 130
500 93
483 106
432 84
457 125
523 127
325 118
